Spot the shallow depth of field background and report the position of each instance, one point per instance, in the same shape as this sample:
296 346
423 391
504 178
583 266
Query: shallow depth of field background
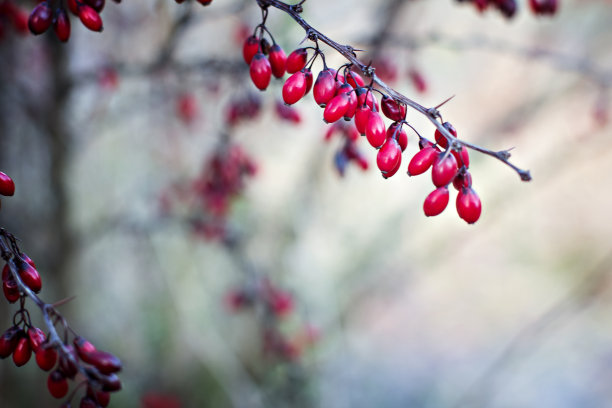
513 311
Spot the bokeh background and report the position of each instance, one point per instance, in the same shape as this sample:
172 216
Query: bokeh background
513 311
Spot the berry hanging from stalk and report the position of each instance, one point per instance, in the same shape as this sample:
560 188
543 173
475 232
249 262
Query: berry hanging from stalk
436 201
250 48
296 61
278 59
261 71
468 205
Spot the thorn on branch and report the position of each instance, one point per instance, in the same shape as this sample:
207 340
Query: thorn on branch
504 155
312 35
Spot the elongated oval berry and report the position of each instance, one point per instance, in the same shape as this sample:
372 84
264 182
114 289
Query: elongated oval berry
422 161
324 88
543 7
73 7
101 397
36 338
261 71
90 18
352 104
11 290
388 156
336 108
468 205
444 169
462 157
46 358
294 88
463 179
441 139
287 113
8 341
61 24
57 384
400 135
309 80
68 366
394 170
250 48
40 18
354 79
367 97
7 186
375 130
83 348
436 201
30 276
362 115
278 59
22 352
110 383
296 61
105 362
392 109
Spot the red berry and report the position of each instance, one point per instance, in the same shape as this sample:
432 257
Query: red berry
100 397
40 18
7 186
400 135
362 115
417 80
444 169
388 156
462 157
393 171
187 108
294 88
441 139
366 97
296 61
105 362
68 366
61 25
46 358
288 113
324 88
261 71
355 80
309 79
336 108
83 348
375 130
468 205
250 48
22 352
73 7
422 161
352 104
57 384
111 383
543 7
278 59
36 338
392 109
9 340
462 180
29 276
90 18
436 202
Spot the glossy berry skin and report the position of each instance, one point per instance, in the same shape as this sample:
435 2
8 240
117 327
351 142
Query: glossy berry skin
324 87
22 352
57 384
463 179
97 5
444 169
29 276
61 25
436 201
40 19
90 18
400 135
9 340
105 362
296 61
336 108
11 290
261 71
392 109
111 383
441 139
422 161
309 80
352 106
294 88
278 59
250 48
375 130
462 157
36 338
468 205
393 171
7 186
46 358
388 156
362 115
355 80
73 7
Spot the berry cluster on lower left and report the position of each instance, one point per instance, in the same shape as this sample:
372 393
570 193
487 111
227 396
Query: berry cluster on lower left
68 356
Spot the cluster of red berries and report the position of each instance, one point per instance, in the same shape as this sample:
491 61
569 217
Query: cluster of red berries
210 196
12 16
344 95
53 12
508 8
277 304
